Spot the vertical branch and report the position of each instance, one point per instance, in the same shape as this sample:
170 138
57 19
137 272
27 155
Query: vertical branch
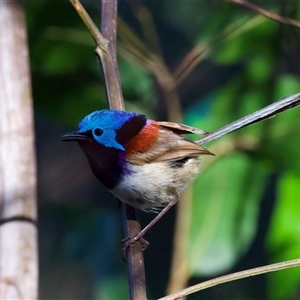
106 53
18 244
135 259
109 25
109 58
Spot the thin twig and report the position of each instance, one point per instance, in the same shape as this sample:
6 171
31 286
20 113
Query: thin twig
266 13
232 277
260 115
110 69
97 36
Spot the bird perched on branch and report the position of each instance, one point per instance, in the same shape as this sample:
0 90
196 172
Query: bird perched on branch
144 163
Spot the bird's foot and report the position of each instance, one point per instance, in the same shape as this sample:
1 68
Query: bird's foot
129 241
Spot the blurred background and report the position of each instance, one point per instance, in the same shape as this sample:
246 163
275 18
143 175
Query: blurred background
204 63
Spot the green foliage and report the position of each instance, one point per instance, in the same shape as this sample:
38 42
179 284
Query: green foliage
226 196
224 213
284 239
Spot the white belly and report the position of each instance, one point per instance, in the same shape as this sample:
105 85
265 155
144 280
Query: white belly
154 185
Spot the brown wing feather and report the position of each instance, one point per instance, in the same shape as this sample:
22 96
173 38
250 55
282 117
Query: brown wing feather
168 147
181 128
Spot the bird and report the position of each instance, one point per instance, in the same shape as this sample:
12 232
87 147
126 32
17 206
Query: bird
144 163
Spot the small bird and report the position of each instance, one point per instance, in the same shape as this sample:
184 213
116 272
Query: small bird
144 163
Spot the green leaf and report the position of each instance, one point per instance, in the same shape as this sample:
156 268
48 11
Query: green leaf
224 213
284 237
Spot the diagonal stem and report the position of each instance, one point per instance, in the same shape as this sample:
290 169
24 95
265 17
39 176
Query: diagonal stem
260 115
231 277
267 14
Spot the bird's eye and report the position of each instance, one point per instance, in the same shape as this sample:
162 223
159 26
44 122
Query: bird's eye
98 132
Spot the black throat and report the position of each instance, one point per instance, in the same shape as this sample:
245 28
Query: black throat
106 163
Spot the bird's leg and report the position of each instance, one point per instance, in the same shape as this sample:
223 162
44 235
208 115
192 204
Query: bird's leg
127 242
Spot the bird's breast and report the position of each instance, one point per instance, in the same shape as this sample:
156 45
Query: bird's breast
152 186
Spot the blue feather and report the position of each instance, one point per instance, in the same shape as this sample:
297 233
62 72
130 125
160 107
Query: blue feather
109 121
105 119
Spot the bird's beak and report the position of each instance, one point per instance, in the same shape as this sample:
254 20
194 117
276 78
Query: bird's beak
74 136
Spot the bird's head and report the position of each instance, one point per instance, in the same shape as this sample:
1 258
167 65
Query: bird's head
109 128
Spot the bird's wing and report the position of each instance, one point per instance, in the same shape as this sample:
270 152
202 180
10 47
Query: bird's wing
168 147
181 128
